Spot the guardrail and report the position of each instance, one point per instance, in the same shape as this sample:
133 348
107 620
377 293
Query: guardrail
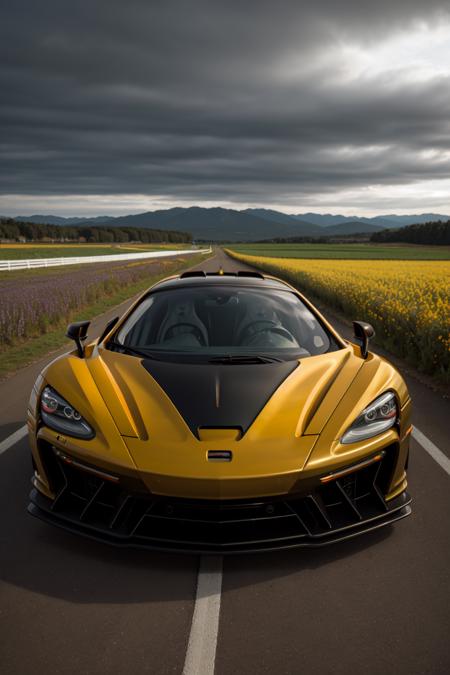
10 265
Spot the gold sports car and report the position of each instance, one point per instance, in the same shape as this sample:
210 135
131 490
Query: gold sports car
222 413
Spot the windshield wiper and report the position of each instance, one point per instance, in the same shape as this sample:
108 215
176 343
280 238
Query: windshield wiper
244 359
223 359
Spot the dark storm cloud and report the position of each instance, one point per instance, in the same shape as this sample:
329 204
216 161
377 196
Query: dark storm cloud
207 100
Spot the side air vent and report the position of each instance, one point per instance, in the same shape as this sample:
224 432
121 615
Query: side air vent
194 273
247 273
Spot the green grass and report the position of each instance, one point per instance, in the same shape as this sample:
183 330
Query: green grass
345 251
20 355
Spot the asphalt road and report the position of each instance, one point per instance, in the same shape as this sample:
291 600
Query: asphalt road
379 604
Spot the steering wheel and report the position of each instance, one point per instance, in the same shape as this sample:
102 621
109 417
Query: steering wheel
261 326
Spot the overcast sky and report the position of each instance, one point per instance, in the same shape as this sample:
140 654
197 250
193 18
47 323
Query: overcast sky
114 106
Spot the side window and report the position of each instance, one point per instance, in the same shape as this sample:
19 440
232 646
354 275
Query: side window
132 329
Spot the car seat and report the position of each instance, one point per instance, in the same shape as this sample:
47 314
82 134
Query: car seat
181 320
260 317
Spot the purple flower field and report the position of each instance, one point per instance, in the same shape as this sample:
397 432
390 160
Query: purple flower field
36 303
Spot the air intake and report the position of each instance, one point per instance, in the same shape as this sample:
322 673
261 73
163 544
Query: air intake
253 275
193 273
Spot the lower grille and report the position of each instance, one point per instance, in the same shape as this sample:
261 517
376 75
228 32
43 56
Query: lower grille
336 510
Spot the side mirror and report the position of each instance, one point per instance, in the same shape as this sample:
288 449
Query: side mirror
107 329
78 333
363 331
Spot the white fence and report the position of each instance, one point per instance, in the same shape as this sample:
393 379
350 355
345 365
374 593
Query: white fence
10 265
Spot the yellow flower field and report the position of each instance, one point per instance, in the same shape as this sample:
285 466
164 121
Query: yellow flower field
406 301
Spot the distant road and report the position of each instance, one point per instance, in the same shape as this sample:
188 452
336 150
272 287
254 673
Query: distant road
31 263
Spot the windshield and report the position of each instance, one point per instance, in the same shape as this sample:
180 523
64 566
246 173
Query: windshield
231 322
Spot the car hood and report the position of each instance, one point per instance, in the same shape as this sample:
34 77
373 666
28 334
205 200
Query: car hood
148 397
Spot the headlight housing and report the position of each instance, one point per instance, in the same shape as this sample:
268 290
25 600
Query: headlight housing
59 415
379 416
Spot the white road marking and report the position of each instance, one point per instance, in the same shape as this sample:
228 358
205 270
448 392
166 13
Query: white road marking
201 651
14 438
432 449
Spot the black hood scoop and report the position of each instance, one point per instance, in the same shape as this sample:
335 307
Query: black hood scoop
219 396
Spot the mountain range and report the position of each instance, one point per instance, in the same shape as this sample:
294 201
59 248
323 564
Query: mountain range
218 224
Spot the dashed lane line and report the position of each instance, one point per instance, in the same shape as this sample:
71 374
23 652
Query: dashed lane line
201 651
13 439
432 449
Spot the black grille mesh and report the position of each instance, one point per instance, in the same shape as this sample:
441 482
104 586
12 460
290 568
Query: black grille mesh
114 511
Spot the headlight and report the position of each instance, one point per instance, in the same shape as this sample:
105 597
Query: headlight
379 416
57 414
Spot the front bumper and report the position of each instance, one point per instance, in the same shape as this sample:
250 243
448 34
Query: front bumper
126 514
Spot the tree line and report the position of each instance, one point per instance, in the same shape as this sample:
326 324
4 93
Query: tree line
16 230
437 233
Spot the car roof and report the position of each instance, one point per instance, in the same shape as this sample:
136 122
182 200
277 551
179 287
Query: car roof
244 279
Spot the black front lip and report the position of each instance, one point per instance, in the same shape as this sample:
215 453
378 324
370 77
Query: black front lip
123 512
41 507
399 509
